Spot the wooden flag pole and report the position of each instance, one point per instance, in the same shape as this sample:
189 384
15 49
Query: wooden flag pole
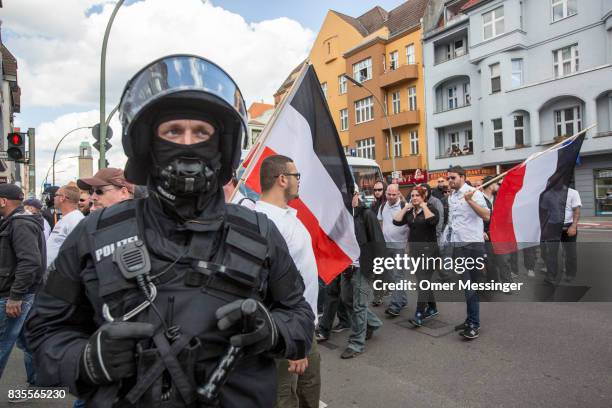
494 179
259 147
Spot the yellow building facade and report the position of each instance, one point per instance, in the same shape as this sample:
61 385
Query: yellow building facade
390 43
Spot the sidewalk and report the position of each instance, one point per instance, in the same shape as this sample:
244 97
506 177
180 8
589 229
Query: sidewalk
595 223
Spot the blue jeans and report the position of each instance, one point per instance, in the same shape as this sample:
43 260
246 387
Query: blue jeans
472 250
11 332
356 295
399 298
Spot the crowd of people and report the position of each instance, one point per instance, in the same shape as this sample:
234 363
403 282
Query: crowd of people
423 224
100 286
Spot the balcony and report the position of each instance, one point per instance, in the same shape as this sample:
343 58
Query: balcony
396 76
402 119
413 161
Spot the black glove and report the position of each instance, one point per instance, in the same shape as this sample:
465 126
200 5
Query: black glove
259 332
109 354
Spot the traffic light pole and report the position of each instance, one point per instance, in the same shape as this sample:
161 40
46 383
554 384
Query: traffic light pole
60 141
103 122
32 162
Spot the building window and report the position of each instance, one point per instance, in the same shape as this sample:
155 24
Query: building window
563 8
495 78
395 102
324 88
565 61
517 72
466 94
393 60
343 119
342 84
362 71
498 133
519 130
454 141
397 145
603 191
455 49
410 58
414 142
412 101
364 110
568 121
452 97
493 23
365 148
469 142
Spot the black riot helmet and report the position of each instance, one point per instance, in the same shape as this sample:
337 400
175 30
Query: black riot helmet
186 83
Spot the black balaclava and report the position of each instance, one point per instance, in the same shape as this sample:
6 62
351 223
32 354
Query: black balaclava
186 177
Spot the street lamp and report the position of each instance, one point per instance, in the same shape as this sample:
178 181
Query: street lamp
51 166
384 110
60 141
103 120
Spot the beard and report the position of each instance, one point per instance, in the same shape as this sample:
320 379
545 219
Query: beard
291 196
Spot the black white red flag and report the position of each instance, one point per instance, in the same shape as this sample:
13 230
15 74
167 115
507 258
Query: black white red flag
530 204
303 130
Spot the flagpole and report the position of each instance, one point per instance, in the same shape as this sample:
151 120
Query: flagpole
266 131
494 179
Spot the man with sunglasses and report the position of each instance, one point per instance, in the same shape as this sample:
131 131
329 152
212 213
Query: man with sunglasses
107 187
66 202
465 230
150 297
299 381
85 203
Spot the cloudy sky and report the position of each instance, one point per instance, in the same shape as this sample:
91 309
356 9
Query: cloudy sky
57 45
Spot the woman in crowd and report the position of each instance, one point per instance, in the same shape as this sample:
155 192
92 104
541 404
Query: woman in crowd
421 218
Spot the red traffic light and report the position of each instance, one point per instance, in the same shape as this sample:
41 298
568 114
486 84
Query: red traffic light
16 139
16 146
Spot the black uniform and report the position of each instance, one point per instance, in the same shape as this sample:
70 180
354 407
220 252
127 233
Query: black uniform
70 308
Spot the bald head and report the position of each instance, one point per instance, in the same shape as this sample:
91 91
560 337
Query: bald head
392 193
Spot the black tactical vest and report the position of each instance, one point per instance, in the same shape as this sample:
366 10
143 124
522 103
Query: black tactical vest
189 291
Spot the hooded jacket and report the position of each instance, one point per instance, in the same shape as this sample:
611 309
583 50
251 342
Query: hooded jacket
22 254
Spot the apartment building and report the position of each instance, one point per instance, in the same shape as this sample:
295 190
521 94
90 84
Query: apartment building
382 51
509 78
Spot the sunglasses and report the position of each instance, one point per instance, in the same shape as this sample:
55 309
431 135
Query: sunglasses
378 189
451 177
296 175
100 191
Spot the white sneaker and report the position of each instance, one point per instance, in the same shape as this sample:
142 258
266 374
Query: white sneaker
530 273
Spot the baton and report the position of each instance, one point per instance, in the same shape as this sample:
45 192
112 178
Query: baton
209 392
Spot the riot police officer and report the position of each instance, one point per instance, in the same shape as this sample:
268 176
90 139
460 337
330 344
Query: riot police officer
146 296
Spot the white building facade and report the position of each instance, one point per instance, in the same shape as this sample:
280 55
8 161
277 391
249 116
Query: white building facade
508 78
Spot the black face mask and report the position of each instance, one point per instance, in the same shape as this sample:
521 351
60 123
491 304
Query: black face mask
186 176
186 170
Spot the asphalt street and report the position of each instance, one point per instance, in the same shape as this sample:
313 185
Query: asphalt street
528 355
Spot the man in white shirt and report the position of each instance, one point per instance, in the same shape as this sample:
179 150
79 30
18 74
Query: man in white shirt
396 239
66 201
299 381
568 239
467 209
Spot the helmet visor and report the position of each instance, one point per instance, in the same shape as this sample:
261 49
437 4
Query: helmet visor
175 74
